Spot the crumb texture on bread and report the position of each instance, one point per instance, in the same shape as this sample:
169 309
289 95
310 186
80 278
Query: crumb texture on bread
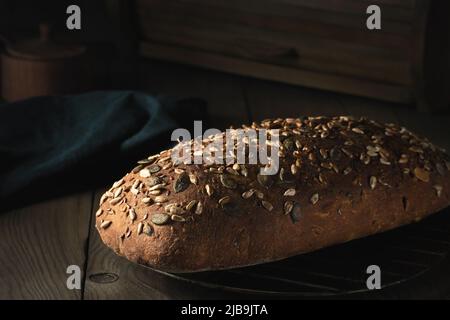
339 179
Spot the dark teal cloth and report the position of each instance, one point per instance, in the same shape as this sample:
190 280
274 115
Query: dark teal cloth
54 145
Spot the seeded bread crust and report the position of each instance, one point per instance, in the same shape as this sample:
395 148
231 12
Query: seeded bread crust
340 179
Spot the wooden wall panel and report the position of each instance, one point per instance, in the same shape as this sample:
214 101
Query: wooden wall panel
322 44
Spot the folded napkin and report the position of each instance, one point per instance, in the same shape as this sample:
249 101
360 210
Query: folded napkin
55 145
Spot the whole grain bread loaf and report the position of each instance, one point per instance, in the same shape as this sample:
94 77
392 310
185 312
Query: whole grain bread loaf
339 179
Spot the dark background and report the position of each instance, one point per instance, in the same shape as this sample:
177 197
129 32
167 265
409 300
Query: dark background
323 45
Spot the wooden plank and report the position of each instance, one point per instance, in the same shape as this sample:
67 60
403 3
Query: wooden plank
395 9
280 48
271 15
351 8
398 3
307 54
242 25
113 277
38 243
358 87
301 27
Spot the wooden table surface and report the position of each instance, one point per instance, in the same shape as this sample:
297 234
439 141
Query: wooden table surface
39 242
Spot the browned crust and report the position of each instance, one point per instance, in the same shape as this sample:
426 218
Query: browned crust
245 234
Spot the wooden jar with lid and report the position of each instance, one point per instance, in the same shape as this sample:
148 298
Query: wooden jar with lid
40 66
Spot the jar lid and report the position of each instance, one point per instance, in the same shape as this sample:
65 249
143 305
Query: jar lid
43 48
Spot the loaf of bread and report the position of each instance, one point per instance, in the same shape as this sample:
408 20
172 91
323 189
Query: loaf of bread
339 179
